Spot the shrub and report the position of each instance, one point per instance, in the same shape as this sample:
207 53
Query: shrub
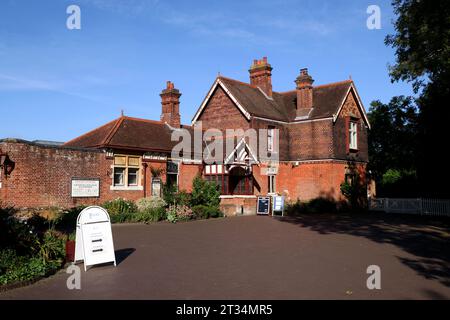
52 247
121 217
68 219
172 196
150 215
204 193
322 205
28 250
182 198
169 192
151 203
26 268
200 211
317 205
179 213
355 193
295 208
172 214
214 212
21 235
205 212
120 205
184 213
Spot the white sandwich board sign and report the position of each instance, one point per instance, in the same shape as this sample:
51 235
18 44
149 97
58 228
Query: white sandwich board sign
278 205
94 241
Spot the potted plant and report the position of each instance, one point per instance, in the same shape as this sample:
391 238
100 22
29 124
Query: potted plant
70 248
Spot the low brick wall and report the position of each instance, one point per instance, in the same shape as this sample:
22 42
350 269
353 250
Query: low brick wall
238 205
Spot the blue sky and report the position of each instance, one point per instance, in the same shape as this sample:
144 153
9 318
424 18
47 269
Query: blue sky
56 84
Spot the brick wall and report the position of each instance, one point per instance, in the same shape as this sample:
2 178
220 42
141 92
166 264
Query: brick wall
340 132
311 140
283 139
42 176
308 180
222 113
187 173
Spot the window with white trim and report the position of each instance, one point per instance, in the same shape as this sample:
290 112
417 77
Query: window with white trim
126 171
172 173
353 135
271 184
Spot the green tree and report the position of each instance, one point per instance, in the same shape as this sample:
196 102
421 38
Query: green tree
421 41
393 137
204 193
422 48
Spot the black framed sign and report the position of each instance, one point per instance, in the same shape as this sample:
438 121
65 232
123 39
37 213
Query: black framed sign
263 205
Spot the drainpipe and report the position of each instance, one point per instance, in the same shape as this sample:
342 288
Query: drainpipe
144 165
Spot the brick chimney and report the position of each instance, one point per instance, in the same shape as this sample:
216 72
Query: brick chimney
304 93
170 101
261 75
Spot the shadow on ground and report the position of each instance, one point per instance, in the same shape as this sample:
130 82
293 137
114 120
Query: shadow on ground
122 254
426 238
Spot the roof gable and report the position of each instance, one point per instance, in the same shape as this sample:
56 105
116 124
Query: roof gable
282 106
361 108
211 91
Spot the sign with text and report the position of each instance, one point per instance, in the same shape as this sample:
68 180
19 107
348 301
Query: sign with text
94 241
263 205
85 188
278 204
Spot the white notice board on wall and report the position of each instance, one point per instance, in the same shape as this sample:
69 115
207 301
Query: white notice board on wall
85 188
94 241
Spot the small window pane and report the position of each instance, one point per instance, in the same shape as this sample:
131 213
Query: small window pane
213 169
133 161
120 160
219 182
353 135
225 185
118 176
208 169
132 177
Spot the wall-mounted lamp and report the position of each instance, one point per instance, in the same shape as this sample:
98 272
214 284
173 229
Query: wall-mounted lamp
109 154
6 164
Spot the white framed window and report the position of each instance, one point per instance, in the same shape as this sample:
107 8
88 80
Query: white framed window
172 173
126 171
270 138
353 135
271 184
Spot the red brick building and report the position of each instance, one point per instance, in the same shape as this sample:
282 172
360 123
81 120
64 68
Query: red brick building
322 133
316 138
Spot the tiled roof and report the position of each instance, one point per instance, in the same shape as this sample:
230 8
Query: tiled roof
282 106
129 133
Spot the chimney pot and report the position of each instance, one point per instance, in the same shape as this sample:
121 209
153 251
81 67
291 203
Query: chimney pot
304 93
261 75
170 103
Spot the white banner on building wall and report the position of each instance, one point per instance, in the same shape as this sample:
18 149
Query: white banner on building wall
85 188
